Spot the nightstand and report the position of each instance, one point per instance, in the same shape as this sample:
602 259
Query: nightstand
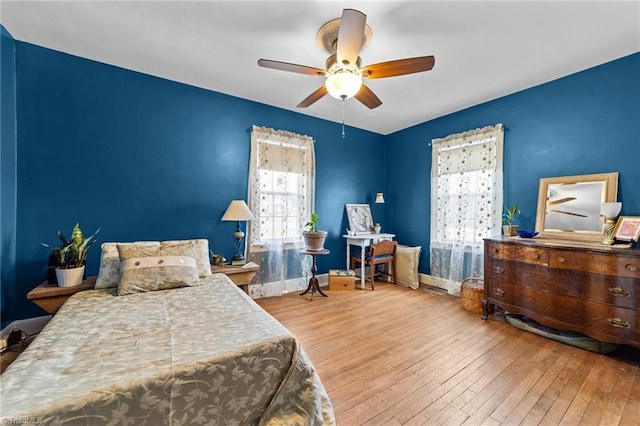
240 275
50 297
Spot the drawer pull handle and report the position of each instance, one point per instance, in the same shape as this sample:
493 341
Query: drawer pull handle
498 292
536 256
632 268
619 291
495 250
498 270
561 259
618 322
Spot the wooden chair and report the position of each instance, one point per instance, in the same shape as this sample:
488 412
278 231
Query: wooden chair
380 253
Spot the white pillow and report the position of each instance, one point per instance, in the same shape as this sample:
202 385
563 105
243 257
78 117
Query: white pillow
406 266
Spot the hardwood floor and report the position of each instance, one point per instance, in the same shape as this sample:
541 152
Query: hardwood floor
397 356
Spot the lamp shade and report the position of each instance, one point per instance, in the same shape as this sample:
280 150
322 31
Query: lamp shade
238 210
379 198
611 209
343 84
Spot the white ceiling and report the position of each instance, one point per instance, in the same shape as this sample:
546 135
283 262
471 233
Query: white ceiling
484 50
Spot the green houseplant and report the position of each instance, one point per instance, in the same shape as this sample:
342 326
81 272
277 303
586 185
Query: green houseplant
508 217
71 256
314 239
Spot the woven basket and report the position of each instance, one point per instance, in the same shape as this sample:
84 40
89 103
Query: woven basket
472 293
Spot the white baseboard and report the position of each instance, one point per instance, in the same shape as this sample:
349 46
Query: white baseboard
323 280
425 279
29 326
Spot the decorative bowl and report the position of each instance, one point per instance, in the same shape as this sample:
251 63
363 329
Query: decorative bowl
527 234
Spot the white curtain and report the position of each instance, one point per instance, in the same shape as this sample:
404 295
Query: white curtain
281 196
466 203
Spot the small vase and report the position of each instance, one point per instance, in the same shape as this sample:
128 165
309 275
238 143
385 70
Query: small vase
377 228
510 230
70 277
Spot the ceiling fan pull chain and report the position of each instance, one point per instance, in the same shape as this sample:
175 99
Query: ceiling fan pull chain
343 119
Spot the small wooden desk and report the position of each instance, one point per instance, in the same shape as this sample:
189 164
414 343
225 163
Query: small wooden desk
50 297
240 275
363 240
313 281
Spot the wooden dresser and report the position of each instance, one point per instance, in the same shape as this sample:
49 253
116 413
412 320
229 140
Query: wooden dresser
587 288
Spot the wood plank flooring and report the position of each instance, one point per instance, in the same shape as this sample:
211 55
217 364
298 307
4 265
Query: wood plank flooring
396 356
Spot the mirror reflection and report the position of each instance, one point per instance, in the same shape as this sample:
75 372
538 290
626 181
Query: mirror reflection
569 206
574 207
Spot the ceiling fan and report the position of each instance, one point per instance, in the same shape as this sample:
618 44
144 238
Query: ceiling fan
343 38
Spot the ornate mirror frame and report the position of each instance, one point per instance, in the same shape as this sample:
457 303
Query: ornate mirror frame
569 206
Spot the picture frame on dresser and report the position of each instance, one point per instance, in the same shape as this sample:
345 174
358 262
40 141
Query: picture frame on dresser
627 229
569 206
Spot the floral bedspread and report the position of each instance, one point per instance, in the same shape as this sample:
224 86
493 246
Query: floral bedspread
204 355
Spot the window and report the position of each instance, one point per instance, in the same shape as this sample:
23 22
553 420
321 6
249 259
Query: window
281 194
281 184
466 202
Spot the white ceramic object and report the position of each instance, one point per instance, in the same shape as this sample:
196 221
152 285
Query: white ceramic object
70 277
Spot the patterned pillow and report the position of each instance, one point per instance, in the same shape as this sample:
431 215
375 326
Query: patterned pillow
200 251
147 268
109 273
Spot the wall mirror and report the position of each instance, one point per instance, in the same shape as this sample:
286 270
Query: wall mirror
569 206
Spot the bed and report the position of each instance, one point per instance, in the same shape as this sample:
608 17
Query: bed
202 353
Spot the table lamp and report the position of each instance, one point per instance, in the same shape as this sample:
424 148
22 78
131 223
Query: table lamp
610 211
379 200
238 211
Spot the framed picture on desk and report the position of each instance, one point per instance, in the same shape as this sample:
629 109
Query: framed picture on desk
359 216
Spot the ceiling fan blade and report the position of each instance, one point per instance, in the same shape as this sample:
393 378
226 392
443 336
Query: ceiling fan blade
286 66
367 97
399 67
560 201
569 213
350 36
315 96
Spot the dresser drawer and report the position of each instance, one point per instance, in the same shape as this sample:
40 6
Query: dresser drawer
605 322
608 289
520 253
598 263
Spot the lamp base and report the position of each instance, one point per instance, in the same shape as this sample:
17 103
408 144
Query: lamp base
609 225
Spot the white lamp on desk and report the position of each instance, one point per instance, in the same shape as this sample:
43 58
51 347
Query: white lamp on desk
379 200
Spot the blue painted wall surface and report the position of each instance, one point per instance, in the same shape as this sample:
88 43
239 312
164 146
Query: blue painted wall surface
7 170
584 123
145 158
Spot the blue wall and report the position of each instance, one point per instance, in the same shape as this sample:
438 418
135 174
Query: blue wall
584 123
7 168
145 158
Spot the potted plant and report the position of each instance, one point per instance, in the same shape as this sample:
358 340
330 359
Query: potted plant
71 256
509 216
314 239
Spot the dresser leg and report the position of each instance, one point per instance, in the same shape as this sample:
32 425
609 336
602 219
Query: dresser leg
485 309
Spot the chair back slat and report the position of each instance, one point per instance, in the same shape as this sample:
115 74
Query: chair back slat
384 247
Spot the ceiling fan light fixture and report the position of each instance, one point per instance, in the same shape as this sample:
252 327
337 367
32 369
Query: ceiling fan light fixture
343 84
